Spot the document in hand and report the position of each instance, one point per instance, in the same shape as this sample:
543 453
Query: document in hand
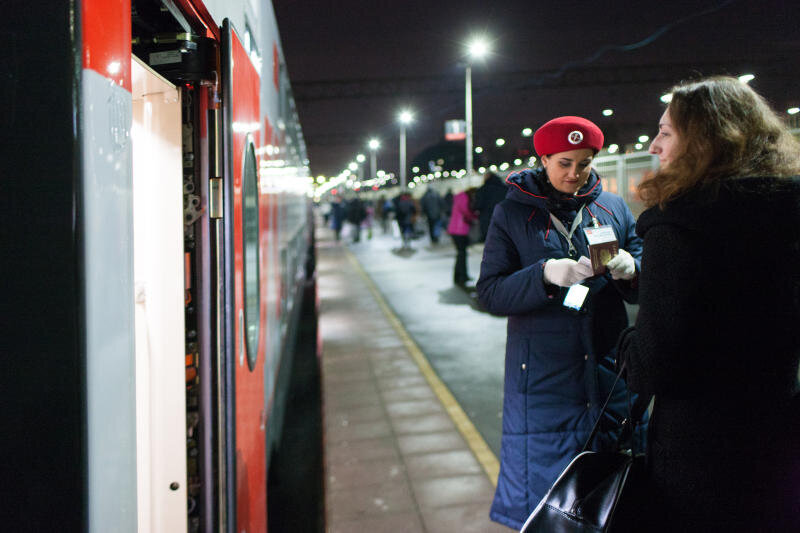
603 246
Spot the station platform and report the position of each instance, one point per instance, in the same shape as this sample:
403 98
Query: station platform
412 374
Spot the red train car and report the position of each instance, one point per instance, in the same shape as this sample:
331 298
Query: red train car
160 250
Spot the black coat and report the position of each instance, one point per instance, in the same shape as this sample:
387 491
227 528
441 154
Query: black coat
355 211
716 341
488 195
432 204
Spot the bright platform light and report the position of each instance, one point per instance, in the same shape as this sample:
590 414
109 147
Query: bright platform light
478 48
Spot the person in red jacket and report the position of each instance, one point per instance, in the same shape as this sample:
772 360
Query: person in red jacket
461 218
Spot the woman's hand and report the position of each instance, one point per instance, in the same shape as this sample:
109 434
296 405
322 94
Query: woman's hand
566 272
622 266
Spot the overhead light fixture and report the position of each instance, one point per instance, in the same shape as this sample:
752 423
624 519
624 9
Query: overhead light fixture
478 48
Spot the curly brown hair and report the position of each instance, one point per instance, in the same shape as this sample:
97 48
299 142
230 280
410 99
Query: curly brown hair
725 130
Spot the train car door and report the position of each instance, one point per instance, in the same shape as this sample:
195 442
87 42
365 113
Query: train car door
244 321
159 301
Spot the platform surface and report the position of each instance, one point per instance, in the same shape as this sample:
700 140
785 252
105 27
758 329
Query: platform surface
412 389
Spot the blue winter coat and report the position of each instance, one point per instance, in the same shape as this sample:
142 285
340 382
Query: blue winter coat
556 371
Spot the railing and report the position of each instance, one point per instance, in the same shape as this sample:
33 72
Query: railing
621 174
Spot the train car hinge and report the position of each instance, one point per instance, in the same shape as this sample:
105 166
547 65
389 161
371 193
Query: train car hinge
215 198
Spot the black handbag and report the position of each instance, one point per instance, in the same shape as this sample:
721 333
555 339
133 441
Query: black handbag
597 491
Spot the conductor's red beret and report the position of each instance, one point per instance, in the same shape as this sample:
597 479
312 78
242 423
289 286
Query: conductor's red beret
567 133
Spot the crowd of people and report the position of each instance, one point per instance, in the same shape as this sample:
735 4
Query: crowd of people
713 265
464 216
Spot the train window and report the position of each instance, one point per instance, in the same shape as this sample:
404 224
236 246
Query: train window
250 235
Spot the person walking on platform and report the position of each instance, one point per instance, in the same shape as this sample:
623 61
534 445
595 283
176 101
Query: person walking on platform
383 208
405 210
491 193
717 338
448 203
461 218
337 216
563 318
431 204
356 213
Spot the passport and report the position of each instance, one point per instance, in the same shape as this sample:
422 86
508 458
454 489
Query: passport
603 246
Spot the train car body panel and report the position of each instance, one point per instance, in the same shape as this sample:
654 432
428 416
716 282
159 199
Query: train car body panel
106 232
251 476
153 321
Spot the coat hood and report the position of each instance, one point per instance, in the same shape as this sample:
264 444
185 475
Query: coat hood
530 187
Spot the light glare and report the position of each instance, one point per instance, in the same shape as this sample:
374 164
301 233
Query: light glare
478 48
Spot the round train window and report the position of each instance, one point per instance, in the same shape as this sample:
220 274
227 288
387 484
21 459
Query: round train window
252 298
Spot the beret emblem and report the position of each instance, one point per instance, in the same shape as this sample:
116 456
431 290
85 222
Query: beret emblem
575 137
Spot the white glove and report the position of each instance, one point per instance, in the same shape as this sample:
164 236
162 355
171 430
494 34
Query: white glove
622 265
566 272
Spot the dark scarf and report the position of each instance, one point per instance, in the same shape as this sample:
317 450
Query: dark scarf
566 206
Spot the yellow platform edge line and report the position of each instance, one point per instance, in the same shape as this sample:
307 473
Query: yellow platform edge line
480 449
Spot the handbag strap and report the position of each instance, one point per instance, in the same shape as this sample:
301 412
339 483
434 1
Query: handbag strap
635 414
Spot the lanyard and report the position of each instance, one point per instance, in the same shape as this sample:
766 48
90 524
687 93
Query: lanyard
563 230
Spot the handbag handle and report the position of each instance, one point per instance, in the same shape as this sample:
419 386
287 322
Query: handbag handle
635 413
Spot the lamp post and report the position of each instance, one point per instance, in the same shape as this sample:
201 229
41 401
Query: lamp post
405 118
477 49
374 144
360 160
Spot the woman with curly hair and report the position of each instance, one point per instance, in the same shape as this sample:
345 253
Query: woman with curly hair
717 338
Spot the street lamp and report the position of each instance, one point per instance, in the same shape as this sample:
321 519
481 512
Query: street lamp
360 159
405 117
374 144
477 49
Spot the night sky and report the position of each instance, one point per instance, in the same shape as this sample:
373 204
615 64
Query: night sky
354 65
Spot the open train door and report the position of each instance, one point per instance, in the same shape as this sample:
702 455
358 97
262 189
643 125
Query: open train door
245 327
